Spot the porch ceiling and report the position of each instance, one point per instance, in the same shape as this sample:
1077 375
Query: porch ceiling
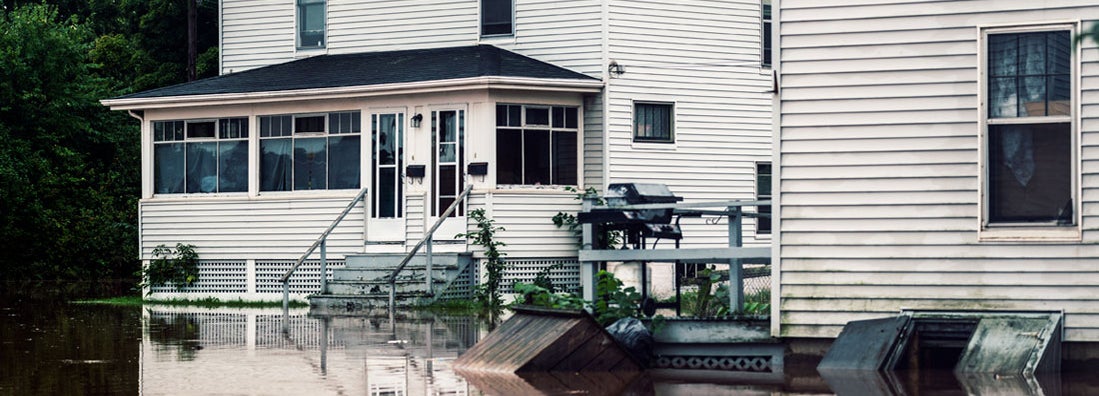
389 72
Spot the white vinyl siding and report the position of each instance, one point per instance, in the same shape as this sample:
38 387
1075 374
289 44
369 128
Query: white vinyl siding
704 58
242 228
258 33
879 169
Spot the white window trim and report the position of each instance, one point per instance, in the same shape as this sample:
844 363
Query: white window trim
309 51
766 67
579 130
162 197
652 144
481 24
1008 232
294 134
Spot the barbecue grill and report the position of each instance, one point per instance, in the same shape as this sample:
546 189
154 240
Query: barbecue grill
637 223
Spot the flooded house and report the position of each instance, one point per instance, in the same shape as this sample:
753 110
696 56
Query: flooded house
937 157
414 103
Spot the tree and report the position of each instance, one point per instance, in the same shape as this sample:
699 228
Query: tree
68 166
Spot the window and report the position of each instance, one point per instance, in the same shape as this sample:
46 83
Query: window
309 152
496 17
311 21
763 193
200 156
765 54
1029 137
448 131
387 131
652 122
536 145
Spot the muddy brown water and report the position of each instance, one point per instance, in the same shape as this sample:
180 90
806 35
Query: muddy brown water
49 346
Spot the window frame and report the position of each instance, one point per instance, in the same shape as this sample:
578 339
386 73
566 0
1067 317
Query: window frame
990 231
766 57
481 21
671 123
550 130
764 196
293 135
299 25
243 136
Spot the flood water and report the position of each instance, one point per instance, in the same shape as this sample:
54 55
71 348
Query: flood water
50 346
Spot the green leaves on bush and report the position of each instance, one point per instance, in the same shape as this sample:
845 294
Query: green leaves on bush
177 267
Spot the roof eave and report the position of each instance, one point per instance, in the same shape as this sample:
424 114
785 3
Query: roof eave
473 83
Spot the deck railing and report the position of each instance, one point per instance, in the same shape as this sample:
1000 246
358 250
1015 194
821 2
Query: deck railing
425 240
321 243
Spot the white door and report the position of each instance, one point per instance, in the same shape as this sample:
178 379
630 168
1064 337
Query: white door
386 159
447 171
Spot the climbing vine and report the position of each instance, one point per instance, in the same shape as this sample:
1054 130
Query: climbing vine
488 294
606 239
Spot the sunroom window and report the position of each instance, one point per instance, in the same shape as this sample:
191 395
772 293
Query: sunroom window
200 156
310 151
536 145
1029 137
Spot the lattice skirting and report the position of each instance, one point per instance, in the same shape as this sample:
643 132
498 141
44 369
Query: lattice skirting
214 276
761 364
307 279
565 278
231 278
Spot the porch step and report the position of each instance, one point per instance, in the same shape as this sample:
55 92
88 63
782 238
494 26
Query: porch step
363 282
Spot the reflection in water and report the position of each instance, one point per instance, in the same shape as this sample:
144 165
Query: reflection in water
48 346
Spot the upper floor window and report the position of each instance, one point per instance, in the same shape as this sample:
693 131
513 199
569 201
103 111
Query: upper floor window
765 10
311 21
1029 137
200 156
536 145
497 17
652 122
310 151
763 193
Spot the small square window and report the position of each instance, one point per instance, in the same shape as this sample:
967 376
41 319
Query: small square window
496 17
652 122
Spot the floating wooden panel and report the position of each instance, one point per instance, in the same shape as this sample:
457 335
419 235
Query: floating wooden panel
547 340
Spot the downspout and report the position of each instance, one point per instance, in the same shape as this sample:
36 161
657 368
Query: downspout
776 170
606 95
141 126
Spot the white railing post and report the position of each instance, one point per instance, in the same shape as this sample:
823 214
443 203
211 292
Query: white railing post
430 279
324 266
736 270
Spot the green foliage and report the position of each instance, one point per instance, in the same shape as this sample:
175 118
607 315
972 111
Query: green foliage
542 278
708 302
177 267
68 166
606 239
612 301
488 294
1092 34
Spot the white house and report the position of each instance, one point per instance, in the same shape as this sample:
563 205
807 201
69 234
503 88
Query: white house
936 156
318 99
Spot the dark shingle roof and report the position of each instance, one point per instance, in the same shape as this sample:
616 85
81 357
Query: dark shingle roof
371 68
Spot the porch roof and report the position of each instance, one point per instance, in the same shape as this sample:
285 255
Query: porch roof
327 73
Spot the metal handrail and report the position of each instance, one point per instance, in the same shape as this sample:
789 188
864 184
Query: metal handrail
320 242
427 237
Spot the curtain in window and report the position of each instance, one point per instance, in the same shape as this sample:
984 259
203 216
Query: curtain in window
275 162
344 154
233 166
310 164
202 169
1029 74
168 168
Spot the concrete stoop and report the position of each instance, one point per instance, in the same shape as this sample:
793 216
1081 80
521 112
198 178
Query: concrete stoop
362 284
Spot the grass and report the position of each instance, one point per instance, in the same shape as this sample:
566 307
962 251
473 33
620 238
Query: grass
210 302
